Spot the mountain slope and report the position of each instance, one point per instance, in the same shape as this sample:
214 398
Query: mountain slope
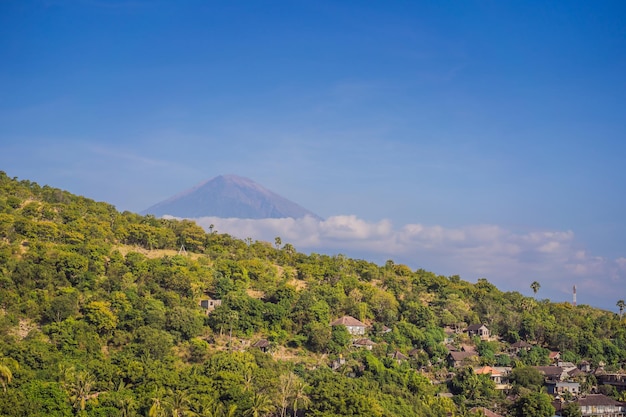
229 196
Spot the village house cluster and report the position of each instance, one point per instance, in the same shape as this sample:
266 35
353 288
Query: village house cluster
562 379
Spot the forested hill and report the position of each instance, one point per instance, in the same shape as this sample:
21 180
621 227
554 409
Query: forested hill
100 315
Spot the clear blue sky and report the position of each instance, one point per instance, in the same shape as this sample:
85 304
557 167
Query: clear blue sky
458 116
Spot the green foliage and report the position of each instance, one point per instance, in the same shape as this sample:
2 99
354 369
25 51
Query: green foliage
340 339
99 316
571 409
527 377
533 404
476 389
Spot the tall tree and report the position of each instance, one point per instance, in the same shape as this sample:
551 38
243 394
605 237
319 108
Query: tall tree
535 287
300 399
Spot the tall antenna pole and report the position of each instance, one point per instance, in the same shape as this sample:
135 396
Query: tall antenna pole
574 303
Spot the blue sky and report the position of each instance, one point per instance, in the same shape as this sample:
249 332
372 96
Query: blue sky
497 127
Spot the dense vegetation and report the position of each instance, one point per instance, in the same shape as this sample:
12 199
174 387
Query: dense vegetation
100 316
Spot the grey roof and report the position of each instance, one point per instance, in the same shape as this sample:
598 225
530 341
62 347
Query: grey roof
597 399
348 321
550 370
474 327
459 356
263 343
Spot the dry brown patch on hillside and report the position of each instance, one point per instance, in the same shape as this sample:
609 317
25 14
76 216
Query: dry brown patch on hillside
23 328
255 294
298 284
154 253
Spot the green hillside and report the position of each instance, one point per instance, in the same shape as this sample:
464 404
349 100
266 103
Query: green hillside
100 316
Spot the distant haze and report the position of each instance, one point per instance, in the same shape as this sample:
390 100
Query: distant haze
229 196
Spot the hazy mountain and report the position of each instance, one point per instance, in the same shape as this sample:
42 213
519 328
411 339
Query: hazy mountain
229 196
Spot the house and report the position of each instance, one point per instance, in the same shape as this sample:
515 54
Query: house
209 305
364 343
554 356
354 326
568 366
561 387
458 359
468 348
552 373
574 373
597 405
499 375
398 356
618 380
263 344
479 330
519 346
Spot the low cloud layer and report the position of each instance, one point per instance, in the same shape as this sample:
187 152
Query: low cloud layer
509 259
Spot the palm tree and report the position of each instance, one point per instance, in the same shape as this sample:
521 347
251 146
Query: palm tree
6 376
209 407
156 409
621 306
248 379
261 406
535 287
81 390
206 407
299 399
178 404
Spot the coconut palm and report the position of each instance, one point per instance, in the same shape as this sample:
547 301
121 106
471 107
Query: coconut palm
205 407
248 379
81 390
535 287
621 306
299 399
178 404
6 376
261 406
156 409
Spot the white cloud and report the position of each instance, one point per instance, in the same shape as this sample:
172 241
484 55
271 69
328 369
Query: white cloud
511 260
